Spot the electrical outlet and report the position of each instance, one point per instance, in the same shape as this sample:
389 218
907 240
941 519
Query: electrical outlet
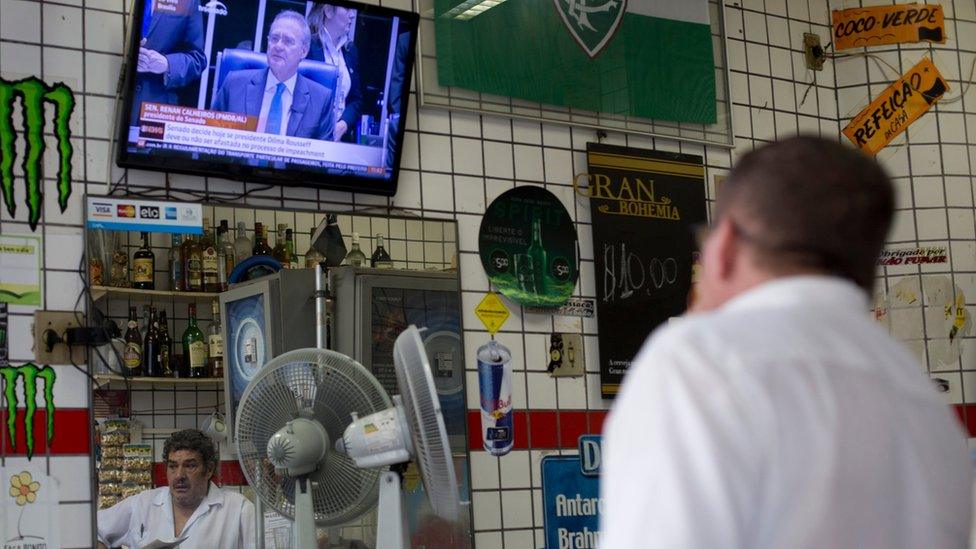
813 51
58 323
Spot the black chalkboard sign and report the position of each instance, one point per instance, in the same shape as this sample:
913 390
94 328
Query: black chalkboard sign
643 205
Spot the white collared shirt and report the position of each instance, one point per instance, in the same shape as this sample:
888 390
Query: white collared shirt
786 418
286 97
224 519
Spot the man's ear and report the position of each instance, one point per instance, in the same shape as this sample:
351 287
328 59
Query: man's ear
724 250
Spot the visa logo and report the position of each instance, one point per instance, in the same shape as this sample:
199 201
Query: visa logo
101 209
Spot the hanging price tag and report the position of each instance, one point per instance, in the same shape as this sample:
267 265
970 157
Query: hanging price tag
492 312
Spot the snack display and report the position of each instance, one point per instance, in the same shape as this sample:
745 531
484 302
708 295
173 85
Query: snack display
111 469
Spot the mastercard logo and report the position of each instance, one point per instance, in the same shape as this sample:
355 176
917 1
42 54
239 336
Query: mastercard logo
126 210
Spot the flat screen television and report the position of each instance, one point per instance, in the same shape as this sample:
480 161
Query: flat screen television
273 91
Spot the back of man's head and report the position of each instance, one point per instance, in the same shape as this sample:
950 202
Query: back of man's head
809 204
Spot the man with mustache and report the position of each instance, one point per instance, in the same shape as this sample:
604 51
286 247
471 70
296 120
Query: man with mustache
189 506
285 102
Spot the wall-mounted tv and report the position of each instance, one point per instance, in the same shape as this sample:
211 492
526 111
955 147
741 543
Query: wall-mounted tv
275 91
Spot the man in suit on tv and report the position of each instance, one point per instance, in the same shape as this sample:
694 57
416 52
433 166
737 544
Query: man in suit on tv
285 102
170 53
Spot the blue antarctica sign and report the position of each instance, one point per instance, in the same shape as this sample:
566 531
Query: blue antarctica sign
571 497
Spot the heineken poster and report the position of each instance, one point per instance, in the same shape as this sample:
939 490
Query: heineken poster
527 244
643 205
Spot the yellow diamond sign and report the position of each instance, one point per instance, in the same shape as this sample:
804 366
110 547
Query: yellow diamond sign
492 312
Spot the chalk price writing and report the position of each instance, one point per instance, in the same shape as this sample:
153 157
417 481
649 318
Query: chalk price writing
625 273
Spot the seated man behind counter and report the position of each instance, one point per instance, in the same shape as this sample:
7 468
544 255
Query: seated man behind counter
190 505
285 102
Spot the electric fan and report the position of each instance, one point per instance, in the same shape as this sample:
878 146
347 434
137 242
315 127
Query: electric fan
304 402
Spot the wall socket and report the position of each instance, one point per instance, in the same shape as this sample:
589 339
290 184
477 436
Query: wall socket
58 322
813 51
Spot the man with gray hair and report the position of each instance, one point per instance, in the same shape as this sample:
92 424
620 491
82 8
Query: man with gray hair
285 102
190 508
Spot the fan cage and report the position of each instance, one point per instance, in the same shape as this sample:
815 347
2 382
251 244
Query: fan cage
319 384
426 423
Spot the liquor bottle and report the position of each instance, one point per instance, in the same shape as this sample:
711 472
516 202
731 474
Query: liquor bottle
290 249
312 256
150 347
381 258
260 241
184 258
194 347
132 355
194 266
355 257
225 255
242 244
215 342
208 259
165 346
143 265
279 251
538 257
173 257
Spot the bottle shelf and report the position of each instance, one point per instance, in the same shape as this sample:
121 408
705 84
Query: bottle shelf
102 380
100 292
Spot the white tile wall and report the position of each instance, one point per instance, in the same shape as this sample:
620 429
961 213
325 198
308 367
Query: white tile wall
456 163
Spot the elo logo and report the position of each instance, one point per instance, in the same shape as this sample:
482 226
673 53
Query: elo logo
148 212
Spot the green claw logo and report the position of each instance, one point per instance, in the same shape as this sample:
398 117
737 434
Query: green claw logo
30 373
33 93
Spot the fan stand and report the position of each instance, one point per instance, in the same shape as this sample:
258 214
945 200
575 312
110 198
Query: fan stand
390 530
303 530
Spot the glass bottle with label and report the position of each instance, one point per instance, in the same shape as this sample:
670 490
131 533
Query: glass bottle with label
381 258
150 347
165 346
225 255
143 265
279 251
312 256
537 257
215 342
260 241
194 265
355 257
242 244
194 346
175 268
209 260
119 270
132 354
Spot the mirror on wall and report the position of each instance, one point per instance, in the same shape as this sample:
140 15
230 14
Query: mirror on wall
190 299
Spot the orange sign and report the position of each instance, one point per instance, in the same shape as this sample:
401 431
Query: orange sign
878 25
897 107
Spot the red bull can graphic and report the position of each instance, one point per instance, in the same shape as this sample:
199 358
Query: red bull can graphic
495 384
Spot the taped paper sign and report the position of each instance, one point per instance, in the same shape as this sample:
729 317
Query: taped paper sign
914 256
879 25
897 107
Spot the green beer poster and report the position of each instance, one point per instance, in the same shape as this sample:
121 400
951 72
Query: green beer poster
527 244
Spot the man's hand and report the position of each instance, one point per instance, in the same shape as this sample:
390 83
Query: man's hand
340 130
152 61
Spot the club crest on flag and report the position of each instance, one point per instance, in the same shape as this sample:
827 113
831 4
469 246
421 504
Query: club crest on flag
592 23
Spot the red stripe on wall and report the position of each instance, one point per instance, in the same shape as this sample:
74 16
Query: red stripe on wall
967 416
543 429
71 433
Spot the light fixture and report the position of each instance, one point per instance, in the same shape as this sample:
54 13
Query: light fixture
470 8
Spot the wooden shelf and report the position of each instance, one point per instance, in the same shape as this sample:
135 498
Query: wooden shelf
99 292
105 379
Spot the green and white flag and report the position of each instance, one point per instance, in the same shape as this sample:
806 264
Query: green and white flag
644 58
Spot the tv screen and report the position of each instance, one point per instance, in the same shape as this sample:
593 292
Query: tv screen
276 91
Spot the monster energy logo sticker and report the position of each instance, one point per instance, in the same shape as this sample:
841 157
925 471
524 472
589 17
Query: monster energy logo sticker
33 93
30 373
